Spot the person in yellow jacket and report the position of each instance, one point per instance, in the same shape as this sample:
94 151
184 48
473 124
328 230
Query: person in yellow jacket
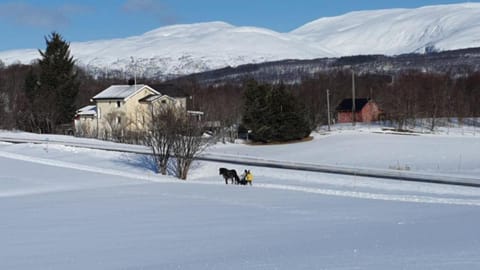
249 177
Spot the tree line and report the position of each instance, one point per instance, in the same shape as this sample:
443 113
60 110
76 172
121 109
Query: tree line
404 98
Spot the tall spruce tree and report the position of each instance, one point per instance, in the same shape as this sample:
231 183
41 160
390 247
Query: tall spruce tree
58 85
274 114
255 116
288 117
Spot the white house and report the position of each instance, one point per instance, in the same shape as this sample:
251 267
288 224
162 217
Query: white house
122 108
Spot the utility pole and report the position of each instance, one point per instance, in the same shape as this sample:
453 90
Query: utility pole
353 98
328 108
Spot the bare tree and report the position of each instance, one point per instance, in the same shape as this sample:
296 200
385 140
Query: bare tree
116 126
160 135
402 100
188 144
15 105
85 129
435 97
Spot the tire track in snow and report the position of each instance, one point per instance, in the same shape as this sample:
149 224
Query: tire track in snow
311 190
373 196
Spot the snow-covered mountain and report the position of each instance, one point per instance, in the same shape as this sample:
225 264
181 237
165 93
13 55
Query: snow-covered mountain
184 49
397 31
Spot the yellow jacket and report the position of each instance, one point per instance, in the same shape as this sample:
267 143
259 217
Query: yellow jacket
249 177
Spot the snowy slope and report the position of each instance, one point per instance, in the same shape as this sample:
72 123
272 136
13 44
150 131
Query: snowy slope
396 31
73 208
184 49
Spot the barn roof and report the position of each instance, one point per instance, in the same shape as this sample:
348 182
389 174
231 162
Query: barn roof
346 104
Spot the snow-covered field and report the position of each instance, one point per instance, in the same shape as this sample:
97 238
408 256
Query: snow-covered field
72 208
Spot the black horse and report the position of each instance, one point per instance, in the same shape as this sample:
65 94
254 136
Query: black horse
229 174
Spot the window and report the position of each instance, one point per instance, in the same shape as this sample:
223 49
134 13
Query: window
164 101
119 120
119 104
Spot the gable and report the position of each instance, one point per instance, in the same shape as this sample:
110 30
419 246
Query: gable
371 106
347 104
143 92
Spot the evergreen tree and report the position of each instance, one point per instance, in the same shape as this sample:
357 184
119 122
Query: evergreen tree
57 84
274 114
288 118
255 116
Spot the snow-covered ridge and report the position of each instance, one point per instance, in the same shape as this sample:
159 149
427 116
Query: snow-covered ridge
396 31
189 48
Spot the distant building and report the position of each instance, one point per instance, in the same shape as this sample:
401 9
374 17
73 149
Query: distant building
85 121
366 110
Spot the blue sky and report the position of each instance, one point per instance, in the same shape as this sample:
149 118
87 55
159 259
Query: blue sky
25 23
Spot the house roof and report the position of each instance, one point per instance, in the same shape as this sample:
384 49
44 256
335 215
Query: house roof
148 98
346 104
121 91
87 110
151 98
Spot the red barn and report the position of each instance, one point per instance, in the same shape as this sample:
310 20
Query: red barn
366 110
